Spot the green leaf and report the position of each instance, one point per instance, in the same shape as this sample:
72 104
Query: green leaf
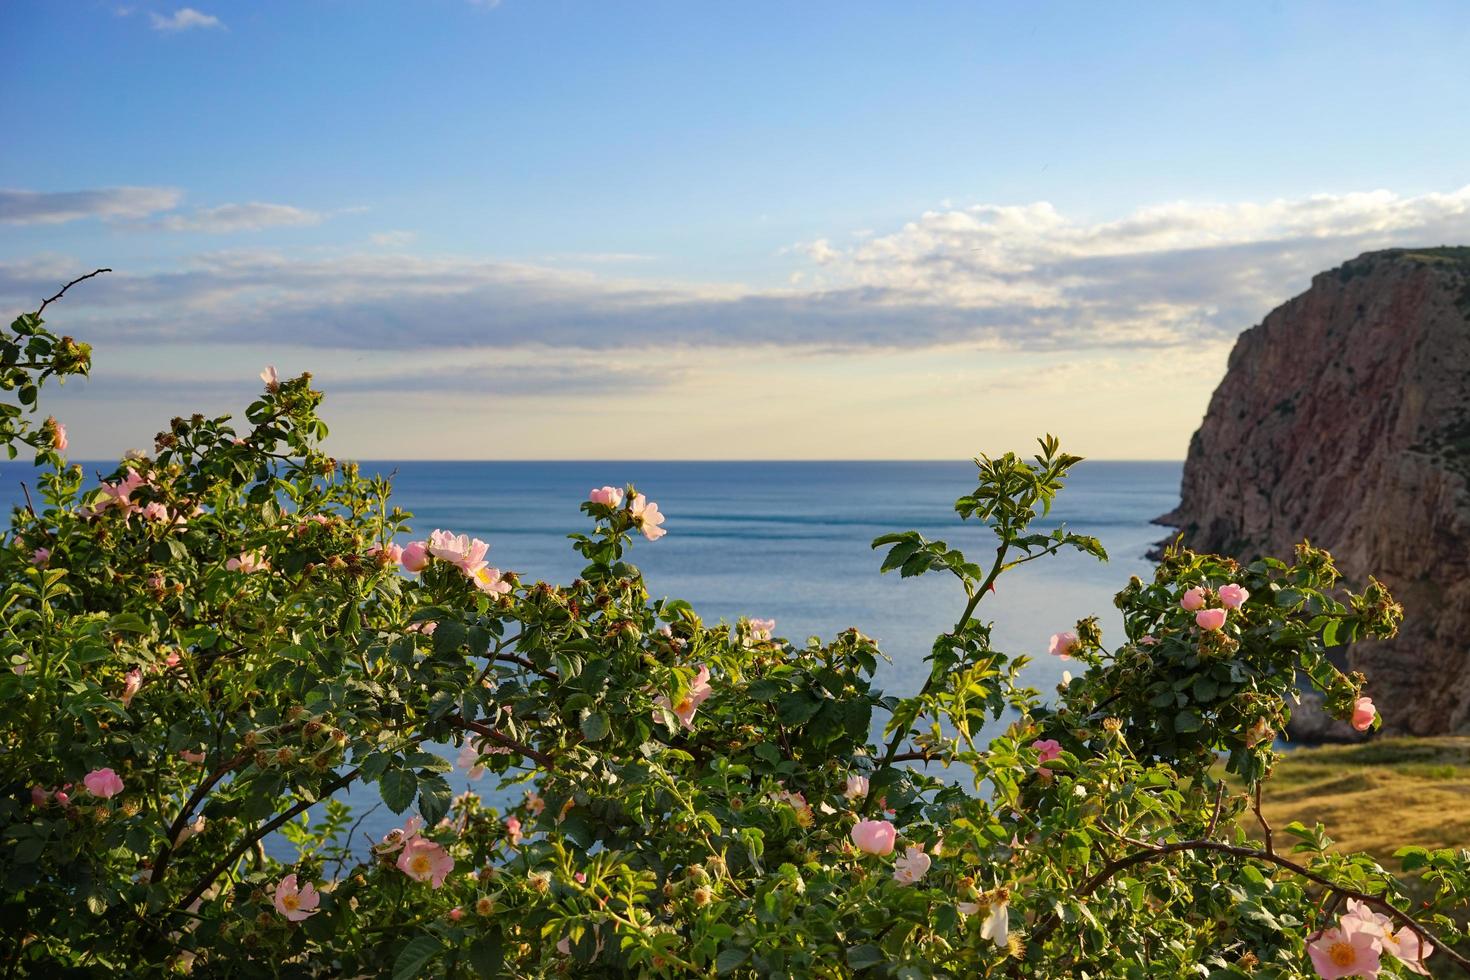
434 797
596 726
797 708
415 956
1187 720
375 765
864 956
127 623
729 959
449 635
1329 635
899 554
487 956
398 787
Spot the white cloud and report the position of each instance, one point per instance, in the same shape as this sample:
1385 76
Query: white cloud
239 217
184 19
55 207
393 239
992 277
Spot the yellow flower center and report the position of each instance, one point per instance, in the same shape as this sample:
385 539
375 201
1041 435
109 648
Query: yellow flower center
419 863
1343 954
290 903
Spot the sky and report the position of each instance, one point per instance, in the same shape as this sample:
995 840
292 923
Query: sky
542 230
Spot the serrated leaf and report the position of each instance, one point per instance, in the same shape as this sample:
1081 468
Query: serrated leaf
434 797
596 726
487 956
729 959
865 956
398 787
415 956
797 708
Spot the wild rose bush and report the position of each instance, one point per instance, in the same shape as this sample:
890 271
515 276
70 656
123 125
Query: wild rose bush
237 628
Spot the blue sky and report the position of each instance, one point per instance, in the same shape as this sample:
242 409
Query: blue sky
711 215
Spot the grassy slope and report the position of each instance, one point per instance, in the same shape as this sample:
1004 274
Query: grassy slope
1378 796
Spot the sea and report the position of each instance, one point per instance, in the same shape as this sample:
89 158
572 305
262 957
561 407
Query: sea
791 541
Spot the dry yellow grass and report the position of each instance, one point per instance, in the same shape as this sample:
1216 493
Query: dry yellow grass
1378 796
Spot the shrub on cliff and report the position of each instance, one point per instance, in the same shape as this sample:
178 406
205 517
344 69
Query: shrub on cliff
226 633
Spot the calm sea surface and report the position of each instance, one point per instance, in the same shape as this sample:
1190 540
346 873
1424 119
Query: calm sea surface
790 542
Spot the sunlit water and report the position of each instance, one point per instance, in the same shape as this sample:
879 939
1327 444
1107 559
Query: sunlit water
790 541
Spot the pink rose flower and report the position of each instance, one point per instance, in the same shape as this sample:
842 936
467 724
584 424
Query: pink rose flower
119 495
415 556
489 580
40 556
513 830
248 563
469 758
295 903
1062 645
1345 952
875 836
607 496
761 629
103 783
40 796
699 692
455 914
400 836
58 434
1363 714
1210 619
190 756
912 865
1408 948
132 683
459 549
1193 600
423 860
856 786
647 517
272 382
1233 596
154 512
393 551
61 797
1048 749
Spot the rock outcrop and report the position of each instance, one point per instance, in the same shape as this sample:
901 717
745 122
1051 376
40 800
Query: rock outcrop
1344 418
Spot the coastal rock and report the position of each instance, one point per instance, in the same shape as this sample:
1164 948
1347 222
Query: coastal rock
1344 418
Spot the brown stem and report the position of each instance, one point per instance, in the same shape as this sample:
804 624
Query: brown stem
899 736
160 862
202 885
480 728
1153 852
62 293
523 662
1265 825
1219 802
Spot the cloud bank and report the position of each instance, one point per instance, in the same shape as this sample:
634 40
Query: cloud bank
53 208
992 276
229 218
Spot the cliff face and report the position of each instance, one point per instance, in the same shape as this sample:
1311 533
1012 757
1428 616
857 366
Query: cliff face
1344 418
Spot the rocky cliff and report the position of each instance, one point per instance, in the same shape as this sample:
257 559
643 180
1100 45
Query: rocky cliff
1344 418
